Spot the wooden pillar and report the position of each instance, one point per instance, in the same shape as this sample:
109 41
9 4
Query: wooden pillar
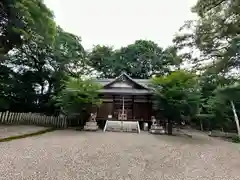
113 106
133 107
150 110
148 104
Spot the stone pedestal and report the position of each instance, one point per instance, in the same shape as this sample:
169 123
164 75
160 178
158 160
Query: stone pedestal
91 126
156 129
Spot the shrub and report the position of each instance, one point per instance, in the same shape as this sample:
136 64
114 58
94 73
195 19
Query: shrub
236 139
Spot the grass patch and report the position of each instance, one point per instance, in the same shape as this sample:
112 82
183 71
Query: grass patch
27 135
236 139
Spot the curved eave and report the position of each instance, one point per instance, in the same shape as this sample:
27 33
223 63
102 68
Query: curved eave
126 91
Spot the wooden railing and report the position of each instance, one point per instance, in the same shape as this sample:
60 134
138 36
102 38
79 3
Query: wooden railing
32 119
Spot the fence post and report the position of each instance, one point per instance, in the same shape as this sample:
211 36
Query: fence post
25 119
42 119
35 119
45 121
14 118
17 118
65 122
59 122
1 113
50 120
11 118
8 113
21 118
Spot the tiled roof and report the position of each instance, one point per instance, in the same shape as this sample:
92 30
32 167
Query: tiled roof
126 91
143 82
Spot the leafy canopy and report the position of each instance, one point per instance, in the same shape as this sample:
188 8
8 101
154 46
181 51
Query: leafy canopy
216 34
22 19
139 60
78 95
176 95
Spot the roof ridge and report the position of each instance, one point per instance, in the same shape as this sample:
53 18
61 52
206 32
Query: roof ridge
130 78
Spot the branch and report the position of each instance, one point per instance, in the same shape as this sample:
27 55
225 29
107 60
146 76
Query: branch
213 6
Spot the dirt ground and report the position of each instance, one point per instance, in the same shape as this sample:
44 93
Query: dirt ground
15 130
74 155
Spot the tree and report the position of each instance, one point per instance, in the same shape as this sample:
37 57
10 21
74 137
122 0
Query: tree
101 60
176 95
40 68
22 19
139 60
231 93
78 95
215 34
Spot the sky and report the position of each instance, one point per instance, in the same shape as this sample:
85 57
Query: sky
118 23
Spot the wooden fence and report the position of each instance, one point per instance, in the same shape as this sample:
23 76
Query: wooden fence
32 119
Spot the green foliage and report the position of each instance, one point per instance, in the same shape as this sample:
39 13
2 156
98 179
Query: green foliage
39 58
214 112
139 60
36 71
215 34
236 139
176 95
21 20
230 92
69 53
78 95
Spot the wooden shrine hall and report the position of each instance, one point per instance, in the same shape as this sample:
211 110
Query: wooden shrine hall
125 99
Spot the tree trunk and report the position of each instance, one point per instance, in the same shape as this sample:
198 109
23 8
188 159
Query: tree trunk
201 124
235 117
169 127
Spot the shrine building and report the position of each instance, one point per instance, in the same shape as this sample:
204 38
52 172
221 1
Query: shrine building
125 99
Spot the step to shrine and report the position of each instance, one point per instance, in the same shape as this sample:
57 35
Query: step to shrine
122 126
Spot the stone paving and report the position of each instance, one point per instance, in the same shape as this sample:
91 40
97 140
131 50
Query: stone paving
75 155
15 130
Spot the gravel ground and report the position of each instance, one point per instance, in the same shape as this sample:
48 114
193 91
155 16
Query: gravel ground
14 130
73 155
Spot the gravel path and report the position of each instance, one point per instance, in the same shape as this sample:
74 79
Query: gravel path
72 155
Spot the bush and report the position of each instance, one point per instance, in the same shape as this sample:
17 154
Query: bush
236 139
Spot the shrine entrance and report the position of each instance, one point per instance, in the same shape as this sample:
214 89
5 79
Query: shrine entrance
123 107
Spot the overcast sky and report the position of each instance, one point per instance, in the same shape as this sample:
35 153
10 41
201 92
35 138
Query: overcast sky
121 22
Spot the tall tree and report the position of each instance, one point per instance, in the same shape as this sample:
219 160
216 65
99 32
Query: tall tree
22 19
231 94
140 60
101 60
40 68
216 34
213 111
77 95
176 95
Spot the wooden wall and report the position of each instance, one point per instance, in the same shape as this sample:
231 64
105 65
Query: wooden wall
104 110
140 108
